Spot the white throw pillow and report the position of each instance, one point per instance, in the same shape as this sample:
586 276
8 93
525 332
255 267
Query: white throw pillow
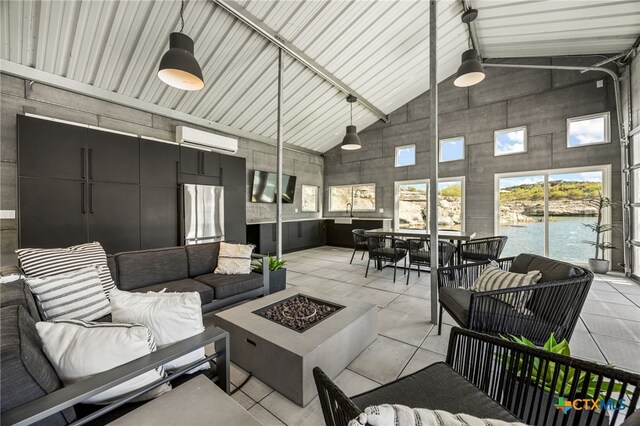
74 295
11 278
36 262
400 415
234 259
494 278
171 317
80 349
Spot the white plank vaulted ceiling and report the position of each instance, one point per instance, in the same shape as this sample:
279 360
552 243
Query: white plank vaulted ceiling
378 48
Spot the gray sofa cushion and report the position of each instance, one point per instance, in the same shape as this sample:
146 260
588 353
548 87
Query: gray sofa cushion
230 285
436 387
457 301
552 270
111 263
182 286
26 372
16 293
203 258
147 267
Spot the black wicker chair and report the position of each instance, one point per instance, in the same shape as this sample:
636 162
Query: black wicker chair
386 249
481 249
359 243
489 377
553 304
420 253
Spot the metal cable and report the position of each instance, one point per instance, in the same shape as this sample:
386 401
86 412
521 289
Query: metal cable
181 15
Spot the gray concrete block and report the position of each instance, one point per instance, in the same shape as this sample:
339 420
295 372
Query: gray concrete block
8 186
399 130
399 115
10 85
479 200
450 97
476 124
547 112
584 155
453 168
483 227
418 108
422 168
507 83
343 174
136 129
8 245
48 94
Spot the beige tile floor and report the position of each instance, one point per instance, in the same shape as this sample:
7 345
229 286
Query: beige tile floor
608 331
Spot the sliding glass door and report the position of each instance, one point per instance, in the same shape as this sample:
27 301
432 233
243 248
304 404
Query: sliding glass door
412 204
546 212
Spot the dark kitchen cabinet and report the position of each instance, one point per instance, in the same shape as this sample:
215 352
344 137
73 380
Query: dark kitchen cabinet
50 149
296 235
234 180
159 163
53 212
197 162
295 239
112 157
340 234
159 225
114 216
314 232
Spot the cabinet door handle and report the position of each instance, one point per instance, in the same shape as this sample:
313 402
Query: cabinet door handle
84 172
273 232
90 163
299 229
91 198
82 200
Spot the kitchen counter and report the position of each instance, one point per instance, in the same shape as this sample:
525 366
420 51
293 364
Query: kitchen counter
263 222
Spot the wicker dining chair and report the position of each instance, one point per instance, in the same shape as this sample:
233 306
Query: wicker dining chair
420 253
359 243
480 249
386 249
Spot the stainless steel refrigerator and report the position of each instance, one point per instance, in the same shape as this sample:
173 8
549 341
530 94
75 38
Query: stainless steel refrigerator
203 213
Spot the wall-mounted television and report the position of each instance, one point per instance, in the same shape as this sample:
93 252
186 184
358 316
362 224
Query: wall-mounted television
264 187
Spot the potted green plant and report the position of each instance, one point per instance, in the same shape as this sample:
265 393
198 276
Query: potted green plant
599 264
277 273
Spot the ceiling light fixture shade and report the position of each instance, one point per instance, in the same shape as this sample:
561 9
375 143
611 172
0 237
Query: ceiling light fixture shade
178 67
470 71
351 141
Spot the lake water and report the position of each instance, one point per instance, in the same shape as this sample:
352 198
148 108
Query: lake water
566 236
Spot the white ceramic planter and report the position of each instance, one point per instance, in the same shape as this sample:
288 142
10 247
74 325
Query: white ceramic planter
599 266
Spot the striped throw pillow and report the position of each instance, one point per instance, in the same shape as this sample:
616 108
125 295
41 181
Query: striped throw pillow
494 278
47 262
80 349
234 259
74 295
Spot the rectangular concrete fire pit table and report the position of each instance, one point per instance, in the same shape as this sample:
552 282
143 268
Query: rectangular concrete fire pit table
284 358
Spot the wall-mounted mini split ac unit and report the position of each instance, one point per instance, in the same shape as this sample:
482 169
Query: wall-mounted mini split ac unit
204 140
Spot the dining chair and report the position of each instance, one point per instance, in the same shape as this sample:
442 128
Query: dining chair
481 249
386 249
359 243
420 253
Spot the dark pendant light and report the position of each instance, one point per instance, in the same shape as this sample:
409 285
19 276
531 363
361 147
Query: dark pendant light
351 140
178 67
470 71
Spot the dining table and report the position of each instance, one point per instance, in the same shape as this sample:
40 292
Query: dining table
456 237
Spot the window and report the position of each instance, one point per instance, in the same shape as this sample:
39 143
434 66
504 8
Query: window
510 141
452 149
309 198
412 204
361 197
588 130
545 212
405 155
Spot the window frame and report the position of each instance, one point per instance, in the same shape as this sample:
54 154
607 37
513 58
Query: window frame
510 129
333 210
605 169
404 147
317 206
454 138
607 128
396 196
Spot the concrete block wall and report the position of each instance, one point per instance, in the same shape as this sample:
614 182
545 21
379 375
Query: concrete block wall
542 100
17 96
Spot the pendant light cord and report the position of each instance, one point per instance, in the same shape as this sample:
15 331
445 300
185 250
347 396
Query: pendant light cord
351 103
181 15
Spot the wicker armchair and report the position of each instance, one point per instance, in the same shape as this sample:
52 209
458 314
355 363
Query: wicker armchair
420 253
386 249
482 249
359 243
489 377
553 304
